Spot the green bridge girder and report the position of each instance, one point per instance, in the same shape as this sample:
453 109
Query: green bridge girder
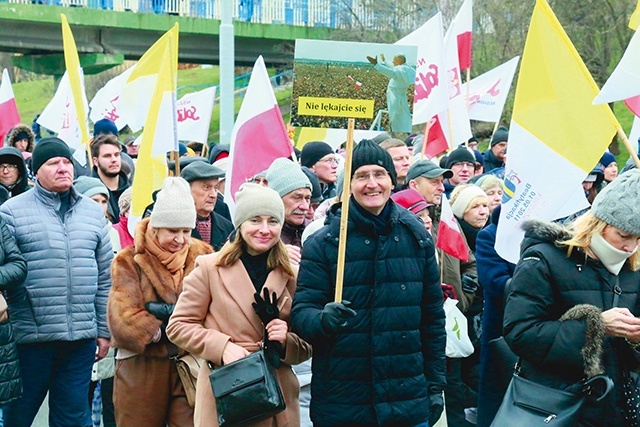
105 37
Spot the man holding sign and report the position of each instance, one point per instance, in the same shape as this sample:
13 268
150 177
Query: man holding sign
379 355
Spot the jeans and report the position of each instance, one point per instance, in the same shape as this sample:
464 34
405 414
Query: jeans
62 368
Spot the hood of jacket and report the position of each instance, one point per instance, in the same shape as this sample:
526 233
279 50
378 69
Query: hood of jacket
536 231
22 184
13 133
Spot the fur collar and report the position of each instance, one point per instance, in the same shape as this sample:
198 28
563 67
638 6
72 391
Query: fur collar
545 231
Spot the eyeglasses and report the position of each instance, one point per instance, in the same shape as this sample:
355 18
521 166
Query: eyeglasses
463 164
329 160
8 167
366 176
257 180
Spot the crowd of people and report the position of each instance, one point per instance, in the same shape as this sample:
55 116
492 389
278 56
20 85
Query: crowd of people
99 313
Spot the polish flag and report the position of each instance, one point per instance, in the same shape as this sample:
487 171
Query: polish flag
259 135
9 116
436 140
633 104
464 26
450 238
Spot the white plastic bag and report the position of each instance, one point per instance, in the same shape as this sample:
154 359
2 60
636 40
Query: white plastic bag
458 342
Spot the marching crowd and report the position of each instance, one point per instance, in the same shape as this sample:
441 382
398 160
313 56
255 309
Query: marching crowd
99 317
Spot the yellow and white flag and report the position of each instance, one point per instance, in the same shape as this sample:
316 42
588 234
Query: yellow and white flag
557 135
149 100
634 22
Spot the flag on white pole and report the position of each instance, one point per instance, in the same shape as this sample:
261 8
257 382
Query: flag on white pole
464 28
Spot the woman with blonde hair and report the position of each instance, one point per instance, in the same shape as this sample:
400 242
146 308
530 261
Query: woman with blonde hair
572 303
146 282
215 318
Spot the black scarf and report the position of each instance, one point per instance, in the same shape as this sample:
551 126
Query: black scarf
256 267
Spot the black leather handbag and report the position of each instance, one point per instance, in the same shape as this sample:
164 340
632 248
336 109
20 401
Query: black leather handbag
246 390
529 404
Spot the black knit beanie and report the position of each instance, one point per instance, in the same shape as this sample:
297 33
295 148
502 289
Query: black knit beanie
368 152
501 135
460 154
46 149
314 151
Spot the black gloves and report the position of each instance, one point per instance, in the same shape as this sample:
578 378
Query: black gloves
470 283
335 316
436 405
266 308
161 310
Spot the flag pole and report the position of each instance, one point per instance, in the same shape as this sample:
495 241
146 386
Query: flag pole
466 143
632 151
344 217
426 138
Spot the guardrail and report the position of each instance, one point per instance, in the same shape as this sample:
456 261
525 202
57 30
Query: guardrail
240 83
309 13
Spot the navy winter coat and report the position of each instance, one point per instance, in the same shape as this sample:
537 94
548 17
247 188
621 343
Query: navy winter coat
382 367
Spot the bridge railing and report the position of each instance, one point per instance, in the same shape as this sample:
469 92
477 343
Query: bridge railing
310 13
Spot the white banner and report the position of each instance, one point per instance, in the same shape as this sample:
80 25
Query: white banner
194 115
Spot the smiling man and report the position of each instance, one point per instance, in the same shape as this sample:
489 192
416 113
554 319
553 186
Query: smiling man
379 355
293 186
105 151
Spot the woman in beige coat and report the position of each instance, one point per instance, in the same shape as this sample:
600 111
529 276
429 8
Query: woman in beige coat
214 317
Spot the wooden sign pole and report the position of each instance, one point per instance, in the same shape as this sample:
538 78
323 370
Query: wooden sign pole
632 150
344 217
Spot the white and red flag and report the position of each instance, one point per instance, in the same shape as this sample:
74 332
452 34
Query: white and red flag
104 104
9 116
488 92
436 140
450 238
259 135
194 115
463 28
430 90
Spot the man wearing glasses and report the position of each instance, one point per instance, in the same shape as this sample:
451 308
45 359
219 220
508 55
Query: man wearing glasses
320 158
462 163
378 355
13 174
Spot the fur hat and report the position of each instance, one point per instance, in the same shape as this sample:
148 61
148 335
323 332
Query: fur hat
124 201
284 176
174 207
46 149
90 186
501 135
314 151
368 152
256 200
617 203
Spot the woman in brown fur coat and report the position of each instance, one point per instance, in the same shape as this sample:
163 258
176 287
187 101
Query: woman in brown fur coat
214 317
147 280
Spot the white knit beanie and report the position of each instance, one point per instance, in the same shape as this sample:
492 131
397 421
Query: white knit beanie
284 176
459 206
255 200
174 207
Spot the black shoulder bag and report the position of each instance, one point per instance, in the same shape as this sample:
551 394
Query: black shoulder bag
247 390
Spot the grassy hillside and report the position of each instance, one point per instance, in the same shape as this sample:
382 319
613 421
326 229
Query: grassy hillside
33 96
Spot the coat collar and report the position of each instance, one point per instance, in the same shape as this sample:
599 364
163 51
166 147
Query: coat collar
237 282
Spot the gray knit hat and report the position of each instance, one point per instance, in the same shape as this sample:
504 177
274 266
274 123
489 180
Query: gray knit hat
284 176
257 200
90 186
617 203
174 207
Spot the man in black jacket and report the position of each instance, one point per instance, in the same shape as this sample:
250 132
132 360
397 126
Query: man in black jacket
379 355
203 181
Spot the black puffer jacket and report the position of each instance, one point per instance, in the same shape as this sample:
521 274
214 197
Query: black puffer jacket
545 285
380 369
13 270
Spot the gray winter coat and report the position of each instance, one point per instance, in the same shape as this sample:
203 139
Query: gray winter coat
64 297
